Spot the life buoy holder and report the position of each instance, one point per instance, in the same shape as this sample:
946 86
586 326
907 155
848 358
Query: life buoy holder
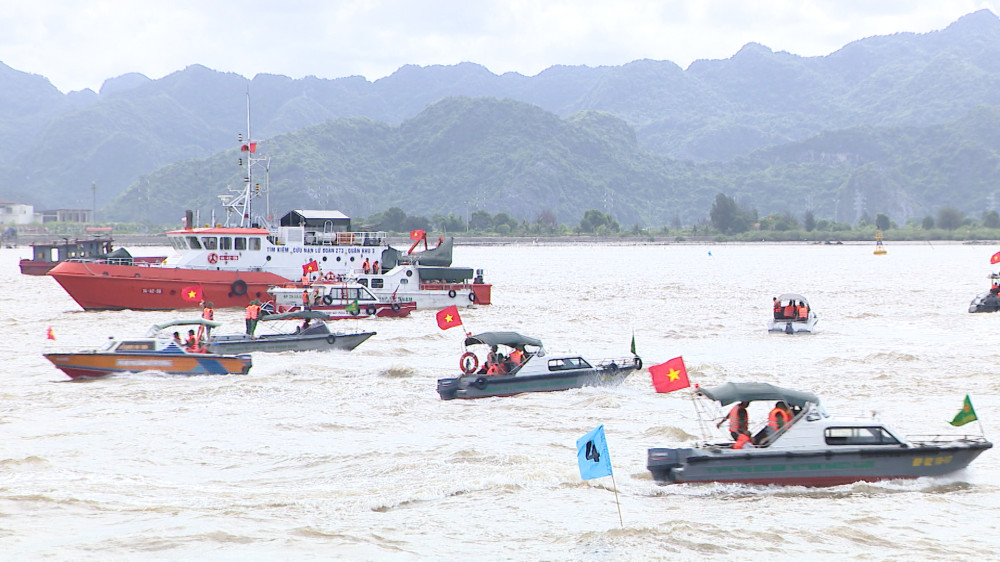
395 307
330 276
239 287
480 383
452 293
468 362
370 309
330 339
472 297
327 299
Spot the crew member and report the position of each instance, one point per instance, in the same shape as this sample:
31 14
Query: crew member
305 299
207 313
803 311
177 338
192 342
790 310
251 315
738 420
777 308
517 356
366 267
779 417
375 268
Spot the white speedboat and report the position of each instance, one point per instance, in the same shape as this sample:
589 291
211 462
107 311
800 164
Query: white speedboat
792 315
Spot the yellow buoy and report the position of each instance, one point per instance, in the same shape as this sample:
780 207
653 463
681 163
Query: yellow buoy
879 248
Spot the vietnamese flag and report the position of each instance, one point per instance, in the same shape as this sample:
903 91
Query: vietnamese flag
418 234
995 259
310 267
192 294
448 318
670 376
252 147
50 334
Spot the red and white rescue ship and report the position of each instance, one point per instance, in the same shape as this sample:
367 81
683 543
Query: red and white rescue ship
229 265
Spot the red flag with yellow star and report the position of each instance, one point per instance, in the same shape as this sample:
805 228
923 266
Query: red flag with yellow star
670 376
448 317
192 294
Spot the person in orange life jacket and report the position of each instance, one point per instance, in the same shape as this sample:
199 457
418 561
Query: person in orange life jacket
517 356
738 420
779 417
192 341
252 313
305 299
366 266
789 311
208 313
803 311
375 268
777 308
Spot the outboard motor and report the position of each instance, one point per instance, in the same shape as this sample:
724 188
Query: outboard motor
788 328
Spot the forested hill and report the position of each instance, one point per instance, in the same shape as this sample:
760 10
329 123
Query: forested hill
715 113
465 154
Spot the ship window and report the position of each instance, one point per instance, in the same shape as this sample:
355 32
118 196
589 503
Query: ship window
136 346
363 282
873 435
378 283
255 244
178 243
225 243
567 363
209 242
239 243
193 242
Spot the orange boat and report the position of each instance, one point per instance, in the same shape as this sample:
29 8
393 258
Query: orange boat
149 353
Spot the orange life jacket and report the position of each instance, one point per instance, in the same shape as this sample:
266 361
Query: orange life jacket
778 418
790 311
803 313
738 419
252 312
742 440
208 313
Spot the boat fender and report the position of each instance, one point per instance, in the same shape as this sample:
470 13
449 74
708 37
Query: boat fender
355 312
395 307
480 383
327 299
638 363
452 293
472 297
239 287
468 362
370 309
330 339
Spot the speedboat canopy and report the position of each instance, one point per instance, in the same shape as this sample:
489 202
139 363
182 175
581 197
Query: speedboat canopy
510 339
183 322
298 315
793 297
732 392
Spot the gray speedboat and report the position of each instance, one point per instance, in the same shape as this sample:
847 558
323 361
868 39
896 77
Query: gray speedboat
276 335
536 371
814 449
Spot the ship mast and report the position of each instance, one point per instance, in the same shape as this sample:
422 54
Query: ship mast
239 203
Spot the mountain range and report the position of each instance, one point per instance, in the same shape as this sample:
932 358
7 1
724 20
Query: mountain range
900 124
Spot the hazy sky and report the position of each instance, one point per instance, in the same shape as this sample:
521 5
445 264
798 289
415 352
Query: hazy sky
79 43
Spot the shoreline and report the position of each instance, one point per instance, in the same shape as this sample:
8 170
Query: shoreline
135 240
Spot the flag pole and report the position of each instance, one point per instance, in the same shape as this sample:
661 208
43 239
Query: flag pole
615 488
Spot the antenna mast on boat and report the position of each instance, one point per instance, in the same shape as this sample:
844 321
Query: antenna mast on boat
239 202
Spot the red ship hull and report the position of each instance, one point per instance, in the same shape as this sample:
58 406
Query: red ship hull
97 286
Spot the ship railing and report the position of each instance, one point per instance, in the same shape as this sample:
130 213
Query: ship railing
346 238
940 438
617 363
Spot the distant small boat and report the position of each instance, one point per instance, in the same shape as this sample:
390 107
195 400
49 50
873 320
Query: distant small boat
46 255
787 318
314 334
148 353
536 372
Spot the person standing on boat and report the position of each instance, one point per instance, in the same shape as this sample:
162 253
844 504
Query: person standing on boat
779 417
777 308
208 313
305 299
366 267
251 316
738 421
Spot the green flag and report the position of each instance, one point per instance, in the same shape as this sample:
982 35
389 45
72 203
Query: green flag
966 415
353 307
633 343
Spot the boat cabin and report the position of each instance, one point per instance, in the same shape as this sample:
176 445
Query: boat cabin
66 249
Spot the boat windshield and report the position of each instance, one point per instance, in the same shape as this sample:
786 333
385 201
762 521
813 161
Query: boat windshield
868 435
567 363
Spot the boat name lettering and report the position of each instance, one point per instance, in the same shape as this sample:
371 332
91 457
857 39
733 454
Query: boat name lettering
398 299
152 291
144 363
320 250
228 257
931 461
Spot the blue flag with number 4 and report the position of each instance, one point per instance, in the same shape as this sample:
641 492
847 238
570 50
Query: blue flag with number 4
592 454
